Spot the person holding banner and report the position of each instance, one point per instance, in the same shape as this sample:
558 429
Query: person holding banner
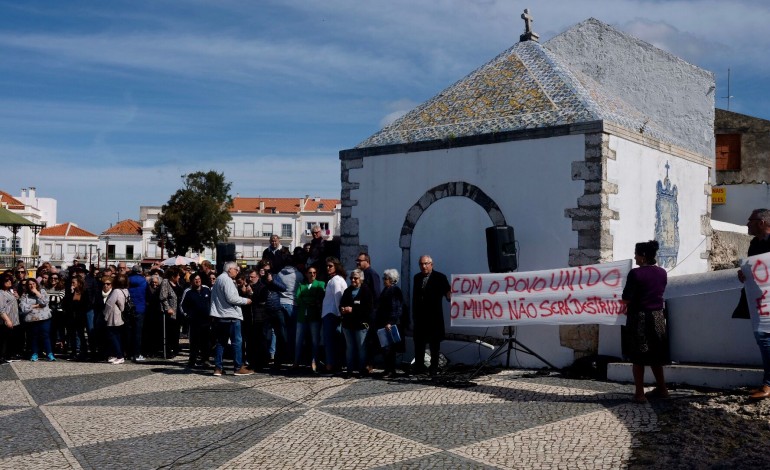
429 290
644 335
759 227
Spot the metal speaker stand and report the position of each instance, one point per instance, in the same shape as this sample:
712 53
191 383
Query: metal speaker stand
513 344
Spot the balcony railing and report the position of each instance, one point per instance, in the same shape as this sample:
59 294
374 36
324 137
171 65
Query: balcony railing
256 234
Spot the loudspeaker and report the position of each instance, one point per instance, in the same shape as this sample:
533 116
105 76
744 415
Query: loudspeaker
501 249
225 253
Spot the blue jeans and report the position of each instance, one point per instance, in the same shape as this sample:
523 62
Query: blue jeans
115 335
314 329
40 331
224 331
290 327
331 334
355 352
763 341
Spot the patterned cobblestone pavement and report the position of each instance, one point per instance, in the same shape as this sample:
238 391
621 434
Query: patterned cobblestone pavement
159 415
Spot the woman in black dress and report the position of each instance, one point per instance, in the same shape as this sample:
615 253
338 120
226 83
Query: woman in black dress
644 336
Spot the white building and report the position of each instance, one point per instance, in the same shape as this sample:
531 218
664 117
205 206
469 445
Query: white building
39 211
62 244
585 145
256 219
122 242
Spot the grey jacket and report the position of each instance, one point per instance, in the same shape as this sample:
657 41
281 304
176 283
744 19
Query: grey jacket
225 300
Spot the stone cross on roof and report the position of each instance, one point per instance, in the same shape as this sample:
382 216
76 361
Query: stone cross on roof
528 35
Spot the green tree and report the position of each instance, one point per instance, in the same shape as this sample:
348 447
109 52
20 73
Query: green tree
196 216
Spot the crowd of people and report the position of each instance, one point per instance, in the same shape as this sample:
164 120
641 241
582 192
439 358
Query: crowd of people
292 310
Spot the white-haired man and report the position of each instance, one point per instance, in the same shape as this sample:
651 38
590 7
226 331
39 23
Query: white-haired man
226 318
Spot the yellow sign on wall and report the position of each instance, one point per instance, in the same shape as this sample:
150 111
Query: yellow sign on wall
718 196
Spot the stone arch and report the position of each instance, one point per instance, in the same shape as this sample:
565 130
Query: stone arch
452 189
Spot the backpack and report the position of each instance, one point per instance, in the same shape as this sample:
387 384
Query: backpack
129 310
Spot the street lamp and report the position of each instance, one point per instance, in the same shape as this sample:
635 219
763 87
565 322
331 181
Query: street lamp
106 252
162 239
90 256
98 256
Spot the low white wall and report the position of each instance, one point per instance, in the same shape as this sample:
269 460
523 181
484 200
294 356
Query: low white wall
701 327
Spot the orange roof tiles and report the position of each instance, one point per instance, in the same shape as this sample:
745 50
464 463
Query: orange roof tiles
125 227
283 205
67 229
10 201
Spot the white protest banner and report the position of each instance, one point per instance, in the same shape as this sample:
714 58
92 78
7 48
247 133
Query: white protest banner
565 296
756 269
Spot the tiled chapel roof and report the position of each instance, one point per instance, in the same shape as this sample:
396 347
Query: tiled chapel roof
525 87
282 205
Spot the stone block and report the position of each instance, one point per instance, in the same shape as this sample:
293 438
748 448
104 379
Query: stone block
349 226
413 215
405 241
586 171
426 200
353 163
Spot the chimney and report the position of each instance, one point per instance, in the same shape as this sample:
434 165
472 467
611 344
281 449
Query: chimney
261 206
23 192
32 192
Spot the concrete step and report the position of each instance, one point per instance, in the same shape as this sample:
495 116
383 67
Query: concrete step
698 375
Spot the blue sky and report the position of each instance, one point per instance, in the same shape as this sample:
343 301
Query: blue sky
105 104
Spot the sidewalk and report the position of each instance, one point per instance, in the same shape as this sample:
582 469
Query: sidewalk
85 415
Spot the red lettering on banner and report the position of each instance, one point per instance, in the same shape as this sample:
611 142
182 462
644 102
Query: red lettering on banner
519 308
762 306
494 286
454 310
760 272
613 278
594 276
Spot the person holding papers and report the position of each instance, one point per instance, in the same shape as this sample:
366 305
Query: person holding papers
390 305
644 336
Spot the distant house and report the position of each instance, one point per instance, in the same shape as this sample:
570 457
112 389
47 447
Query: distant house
123 242
742 166
64 243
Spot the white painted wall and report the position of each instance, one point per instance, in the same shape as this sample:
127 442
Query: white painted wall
741 200
636 171
531 181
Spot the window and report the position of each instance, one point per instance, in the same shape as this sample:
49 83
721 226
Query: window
285 230
248 229
324 228
111 251
82 250
129 251
57 252
728 151
3 246
267 230
248 250
70 249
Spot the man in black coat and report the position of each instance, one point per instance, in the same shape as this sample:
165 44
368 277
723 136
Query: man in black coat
429 290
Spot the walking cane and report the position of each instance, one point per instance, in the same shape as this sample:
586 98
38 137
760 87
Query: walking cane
164 335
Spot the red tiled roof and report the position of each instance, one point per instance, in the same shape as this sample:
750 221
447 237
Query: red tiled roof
11 202
125 227
67 229
283 205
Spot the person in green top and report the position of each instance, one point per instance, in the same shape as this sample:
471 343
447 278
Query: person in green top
309 296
